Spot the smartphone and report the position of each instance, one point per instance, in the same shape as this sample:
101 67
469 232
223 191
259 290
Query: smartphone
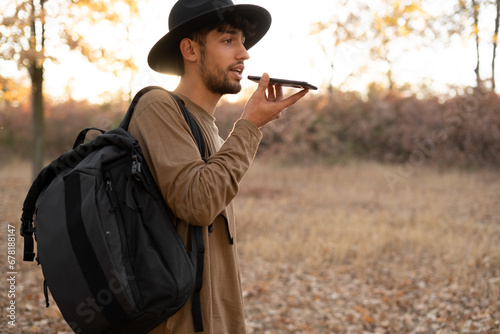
287 83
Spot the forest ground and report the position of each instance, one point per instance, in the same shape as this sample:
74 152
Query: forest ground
333 249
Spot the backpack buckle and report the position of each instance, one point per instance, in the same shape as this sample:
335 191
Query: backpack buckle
27 227
136 167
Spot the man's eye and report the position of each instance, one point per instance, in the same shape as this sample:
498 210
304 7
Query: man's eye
228 41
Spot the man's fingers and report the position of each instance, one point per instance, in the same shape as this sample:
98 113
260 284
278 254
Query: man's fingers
271 96
261 108
293 99
279 92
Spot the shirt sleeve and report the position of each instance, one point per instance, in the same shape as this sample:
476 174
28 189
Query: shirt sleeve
195 191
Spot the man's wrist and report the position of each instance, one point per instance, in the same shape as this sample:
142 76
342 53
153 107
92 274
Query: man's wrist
249 125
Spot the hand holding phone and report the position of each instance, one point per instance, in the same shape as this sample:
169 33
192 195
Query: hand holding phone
262 108
285 83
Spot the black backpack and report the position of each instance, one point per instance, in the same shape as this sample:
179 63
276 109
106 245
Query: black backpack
109 251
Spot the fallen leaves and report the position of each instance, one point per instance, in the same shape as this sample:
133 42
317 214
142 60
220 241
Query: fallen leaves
286 298
393 291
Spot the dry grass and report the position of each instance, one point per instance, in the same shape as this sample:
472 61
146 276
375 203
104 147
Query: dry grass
443 226
336 249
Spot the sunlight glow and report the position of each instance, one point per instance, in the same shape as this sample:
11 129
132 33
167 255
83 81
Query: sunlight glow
287 51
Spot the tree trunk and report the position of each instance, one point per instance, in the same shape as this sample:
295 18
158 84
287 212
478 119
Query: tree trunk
475 14
35 69
36 73
495 44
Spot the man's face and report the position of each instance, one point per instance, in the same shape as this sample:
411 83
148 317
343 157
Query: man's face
221 61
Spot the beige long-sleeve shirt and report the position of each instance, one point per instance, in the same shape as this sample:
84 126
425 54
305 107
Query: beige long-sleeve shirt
199 193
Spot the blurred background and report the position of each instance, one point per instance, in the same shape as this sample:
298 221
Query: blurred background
373 204
391 74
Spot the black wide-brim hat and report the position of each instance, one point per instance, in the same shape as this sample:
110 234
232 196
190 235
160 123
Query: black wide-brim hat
188 16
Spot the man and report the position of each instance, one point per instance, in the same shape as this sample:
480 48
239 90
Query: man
207 46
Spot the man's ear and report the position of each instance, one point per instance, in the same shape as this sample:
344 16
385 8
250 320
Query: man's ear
188 51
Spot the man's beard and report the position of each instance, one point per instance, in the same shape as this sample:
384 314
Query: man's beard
217 79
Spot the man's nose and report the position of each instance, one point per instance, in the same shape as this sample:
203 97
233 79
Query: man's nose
243 53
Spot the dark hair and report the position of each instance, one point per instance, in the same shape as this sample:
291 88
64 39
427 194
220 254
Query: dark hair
230 22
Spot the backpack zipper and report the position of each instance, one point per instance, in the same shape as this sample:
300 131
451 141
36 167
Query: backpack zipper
109 185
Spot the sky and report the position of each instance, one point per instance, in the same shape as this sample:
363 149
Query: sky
287 51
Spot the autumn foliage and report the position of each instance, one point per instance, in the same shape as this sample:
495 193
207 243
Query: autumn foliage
64 121
386 127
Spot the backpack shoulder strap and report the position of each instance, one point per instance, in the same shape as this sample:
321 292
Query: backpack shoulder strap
128 116
197 244
195 129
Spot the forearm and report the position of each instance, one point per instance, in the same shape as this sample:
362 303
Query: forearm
200 192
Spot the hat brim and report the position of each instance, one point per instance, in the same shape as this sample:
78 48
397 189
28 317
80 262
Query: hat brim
163 57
